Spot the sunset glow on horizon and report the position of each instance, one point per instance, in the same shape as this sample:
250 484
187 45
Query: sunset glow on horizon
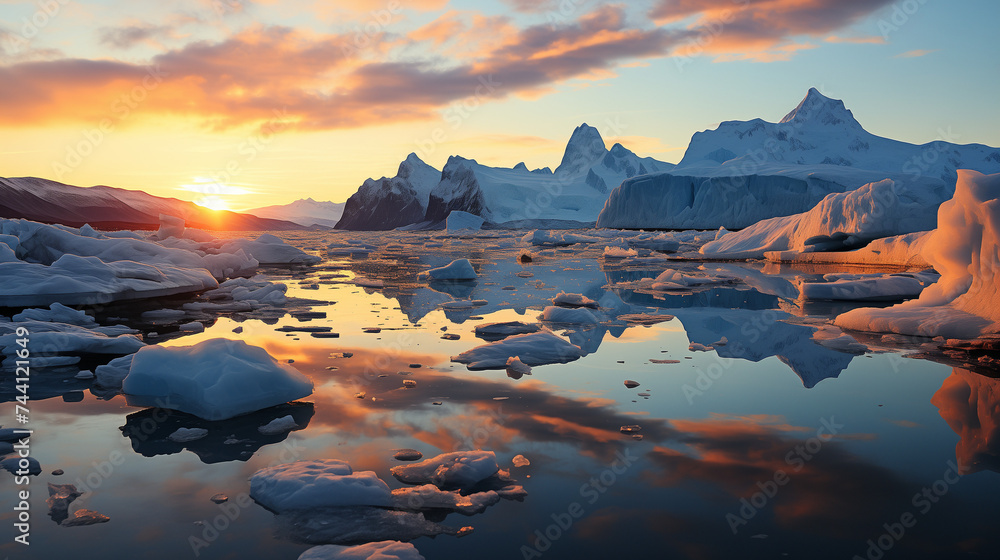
238 104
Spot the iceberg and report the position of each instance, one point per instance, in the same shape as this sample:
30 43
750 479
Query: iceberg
965 302
304 485
215 379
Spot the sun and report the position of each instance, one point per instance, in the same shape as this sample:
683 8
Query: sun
213 203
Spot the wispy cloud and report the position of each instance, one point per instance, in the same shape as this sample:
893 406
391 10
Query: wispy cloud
915 53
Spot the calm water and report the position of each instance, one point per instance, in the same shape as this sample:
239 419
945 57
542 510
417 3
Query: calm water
736 458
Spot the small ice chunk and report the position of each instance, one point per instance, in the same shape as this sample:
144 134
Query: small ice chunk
461 469
619 253
428 496
520 461
408 455
458 270
563 299
85 517
278 426
192 327
219 498
698 347
60 497
182 435
631 384
516 368
533 349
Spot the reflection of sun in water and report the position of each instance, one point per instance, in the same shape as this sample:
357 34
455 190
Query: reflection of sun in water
213 203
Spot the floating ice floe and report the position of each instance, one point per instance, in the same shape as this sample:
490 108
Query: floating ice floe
676 280
619 253
61 344
563 299
304 485
460 469
269 249
215 379
965 302
429 496
533 349
498 331
458 270
868 287
382 550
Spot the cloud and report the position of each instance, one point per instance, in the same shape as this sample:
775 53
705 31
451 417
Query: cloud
129 36
762 30
868 39
915 53
319 81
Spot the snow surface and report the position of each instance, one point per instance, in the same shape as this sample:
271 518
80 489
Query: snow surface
964 249
215 379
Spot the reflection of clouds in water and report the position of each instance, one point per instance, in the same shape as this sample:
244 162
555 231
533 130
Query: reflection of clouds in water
970 404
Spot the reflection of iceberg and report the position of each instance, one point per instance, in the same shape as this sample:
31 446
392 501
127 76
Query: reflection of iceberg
236 439
756 335
355 525
970 404
587 338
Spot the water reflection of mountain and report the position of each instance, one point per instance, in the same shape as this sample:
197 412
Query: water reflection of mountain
970 404
236 439
746 313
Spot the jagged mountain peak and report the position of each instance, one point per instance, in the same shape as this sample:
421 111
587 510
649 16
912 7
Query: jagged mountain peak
584 147
817 108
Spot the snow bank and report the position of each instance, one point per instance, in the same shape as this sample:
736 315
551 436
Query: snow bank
840 221
215 379
534 349
965 249
312 484
460 469
382 550
460 269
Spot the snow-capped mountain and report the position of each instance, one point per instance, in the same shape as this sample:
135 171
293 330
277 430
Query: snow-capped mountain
575 191
388 203
306 212
104 207
746 171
